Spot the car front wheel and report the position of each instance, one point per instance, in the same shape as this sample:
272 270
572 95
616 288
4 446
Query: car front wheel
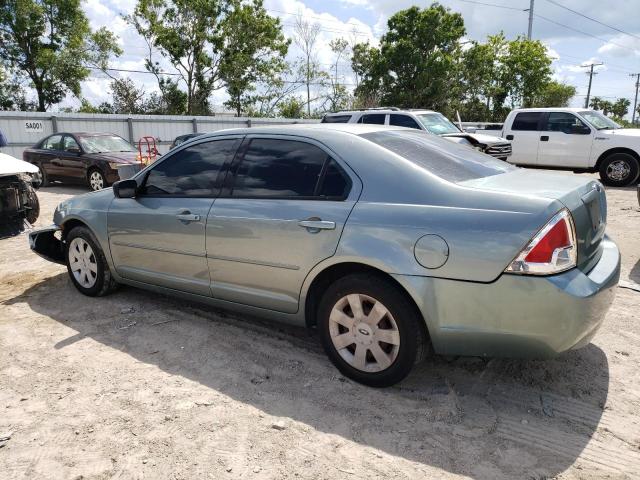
370 330
619 170
87 265
97 180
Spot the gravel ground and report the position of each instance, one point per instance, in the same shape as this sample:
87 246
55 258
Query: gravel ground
138 385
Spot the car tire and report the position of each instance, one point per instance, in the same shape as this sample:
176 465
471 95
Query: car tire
44 179
619 170
33 204
96 179
87 265
358 348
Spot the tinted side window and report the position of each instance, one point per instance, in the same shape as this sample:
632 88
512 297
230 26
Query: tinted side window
192 172
54 142
336 119
374 118
563 122
403 121
279 168
335 183
526 121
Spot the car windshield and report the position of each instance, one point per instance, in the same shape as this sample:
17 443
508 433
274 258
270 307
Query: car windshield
105 143
598 120
439 156
437 123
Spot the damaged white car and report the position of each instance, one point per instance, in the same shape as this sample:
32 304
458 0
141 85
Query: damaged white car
19 206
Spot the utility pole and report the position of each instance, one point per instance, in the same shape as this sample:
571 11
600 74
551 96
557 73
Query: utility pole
635 100
591 74
530 31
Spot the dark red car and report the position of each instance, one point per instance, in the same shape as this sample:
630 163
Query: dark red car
96 159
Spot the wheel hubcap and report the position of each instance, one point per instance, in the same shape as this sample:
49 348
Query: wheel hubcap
618 170
364 333
83 263
96 181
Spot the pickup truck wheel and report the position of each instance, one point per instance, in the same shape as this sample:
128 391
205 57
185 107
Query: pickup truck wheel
370 330
619 170
87 265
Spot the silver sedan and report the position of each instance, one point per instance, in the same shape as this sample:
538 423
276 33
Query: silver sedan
390 242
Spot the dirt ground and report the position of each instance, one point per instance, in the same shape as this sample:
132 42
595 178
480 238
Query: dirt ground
138 385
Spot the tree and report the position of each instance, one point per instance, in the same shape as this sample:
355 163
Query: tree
306 36
527 71
554 94
415 63
291 107
598 103
50 41
250 58
620 107
338 96
12 94
203 40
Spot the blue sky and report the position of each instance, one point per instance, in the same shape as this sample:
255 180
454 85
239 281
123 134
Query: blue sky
570 39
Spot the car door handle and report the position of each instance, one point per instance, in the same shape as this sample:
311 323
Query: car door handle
544 138
509 137
313 224
188 217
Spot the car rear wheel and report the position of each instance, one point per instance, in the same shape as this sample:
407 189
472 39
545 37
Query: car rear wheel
97 180
87 265
619 170
370 330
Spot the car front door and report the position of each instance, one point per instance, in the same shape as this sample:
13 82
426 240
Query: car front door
400 120
159 237
282 212
565 141
525 138
72 164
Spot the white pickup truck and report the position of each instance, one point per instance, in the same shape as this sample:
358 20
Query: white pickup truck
575 139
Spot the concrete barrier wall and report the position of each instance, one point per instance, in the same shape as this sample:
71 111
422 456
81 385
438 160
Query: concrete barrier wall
24 129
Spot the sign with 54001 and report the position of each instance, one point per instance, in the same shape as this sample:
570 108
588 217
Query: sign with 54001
32 126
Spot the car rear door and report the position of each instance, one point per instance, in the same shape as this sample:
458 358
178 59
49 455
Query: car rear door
401 120
159 237
525 138
565 141
49 156
285 202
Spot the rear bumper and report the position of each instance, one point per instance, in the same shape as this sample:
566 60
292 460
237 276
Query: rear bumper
518 315
44 242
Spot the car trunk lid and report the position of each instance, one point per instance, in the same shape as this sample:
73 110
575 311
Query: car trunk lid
584 198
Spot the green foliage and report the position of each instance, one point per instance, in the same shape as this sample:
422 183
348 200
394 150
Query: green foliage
617 109
416 61
248 59
211 43
291 107
50 41
12 94
554 94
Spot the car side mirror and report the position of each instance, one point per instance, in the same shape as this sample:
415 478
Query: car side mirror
580 130
74 150
125 188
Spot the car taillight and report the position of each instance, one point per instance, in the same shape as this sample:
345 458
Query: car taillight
552 250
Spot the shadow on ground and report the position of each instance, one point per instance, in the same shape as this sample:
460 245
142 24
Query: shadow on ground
516 419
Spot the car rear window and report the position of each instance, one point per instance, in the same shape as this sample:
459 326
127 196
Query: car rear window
527 121
336 119
447 160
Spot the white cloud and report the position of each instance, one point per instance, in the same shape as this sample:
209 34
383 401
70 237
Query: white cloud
621 46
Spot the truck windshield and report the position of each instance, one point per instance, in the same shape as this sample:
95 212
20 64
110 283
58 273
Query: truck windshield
437 123
598 120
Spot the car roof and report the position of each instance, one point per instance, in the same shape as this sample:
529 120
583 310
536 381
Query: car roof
380 110
311 130
86 134
551 109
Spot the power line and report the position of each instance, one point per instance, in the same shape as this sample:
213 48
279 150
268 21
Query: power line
583 32
496 5
593 19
